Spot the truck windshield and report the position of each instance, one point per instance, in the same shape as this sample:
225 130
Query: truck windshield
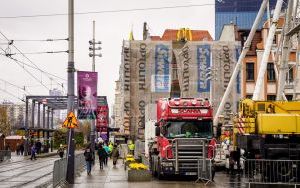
199 129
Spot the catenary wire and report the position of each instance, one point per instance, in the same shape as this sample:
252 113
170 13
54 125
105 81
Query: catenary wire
25 56
32 53
18 63
16 86
12 95
37 40
108 11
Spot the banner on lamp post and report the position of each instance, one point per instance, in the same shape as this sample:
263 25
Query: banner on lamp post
87 94
102 121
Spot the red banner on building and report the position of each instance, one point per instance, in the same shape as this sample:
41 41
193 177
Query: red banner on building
87 94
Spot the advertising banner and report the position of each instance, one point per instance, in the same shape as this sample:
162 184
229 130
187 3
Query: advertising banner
126 89
203 66
162 82
194 69
102 116
87 94
225 55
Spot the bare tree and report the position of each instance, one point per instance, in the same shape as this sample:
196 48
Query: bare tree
5 126
85 128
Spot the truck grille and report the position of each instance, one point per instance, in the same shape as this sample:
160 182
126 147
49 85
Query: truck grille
188 152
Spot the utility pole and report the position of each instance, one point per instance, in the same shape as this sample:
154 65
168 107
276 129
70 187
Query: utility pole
93 54
70 104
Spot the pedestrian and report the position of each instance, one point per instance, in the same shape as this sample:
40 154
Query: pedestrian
89 158
22 148
110 146
33 152
115 154
60 151
107 150
211 155
38 146
102 155
131 147
7 146
18 149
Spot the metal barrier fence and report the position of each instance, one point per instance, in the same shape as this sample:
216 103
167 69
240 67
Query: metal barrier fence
60 169
5 155
139 149
264 171
205 170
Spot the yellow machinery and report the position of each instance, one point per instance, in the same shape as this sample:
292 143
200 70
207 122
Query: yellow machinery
268 129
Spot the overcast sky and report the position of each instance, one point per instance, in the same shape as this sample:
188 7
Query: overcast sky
111 29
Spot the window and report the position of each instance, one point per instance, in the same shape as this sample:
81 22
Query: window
275 39
202 129
271 97
290 75
249 71
289 97
270 72
249 96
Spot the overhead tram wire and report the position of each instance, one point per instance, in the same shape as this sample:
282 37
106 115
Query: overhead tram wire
25 55
42 71
108 11
42 84
37 40
36 53
14 85
18 63
12 95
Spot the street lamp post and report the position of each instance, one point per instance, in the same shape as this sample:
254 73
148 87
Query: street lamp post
70 104
93 54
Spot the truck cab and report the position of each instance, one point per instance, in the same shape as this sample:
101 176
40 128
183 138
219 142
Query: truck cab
183 129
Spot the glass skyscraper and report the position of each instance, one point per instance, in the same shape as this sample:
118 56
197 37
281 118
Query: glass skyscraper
240 12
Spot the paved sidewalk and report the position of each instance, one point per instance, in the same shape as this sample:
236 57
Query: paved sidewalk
116 178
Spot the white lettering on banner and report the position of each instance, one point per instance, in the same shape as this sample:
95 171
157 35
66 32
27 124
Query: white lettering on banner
203 57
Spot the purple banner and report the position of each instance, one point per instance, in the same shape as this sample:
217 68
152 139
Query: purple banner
87 94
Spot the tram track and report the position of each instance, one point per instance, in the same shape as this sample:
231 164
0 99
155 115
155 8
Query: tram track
28 171
19 163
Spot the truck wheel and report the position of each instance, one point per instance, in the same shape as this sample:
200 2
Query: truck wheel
152 167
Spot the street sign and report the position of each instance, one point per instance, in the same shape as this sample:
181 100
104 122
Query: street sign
71 121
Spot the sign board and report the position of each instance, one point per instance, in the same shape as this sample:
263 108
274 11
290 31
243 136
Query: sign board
71 121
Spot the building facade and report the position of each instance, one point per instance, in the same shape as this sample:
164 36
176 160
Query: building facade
252 61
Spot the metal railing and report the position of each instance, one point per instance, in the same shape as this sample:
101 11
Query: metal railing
60 169
205 170
265 171
5 155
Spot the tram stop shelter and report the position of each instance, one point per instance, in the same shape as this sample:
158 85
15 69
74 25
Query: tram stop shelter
39 115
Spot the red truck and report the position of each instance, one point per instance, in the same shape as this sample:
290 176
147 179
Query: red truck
183 129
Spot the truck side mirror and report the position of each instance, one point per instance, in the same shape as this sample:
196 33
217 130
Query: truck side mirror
157 131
